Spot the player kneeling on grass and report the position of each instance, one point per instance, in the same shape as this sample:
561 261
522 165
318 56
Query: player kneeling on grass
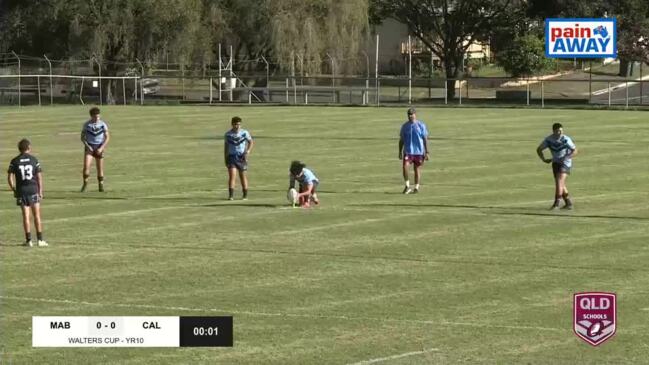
308 183
95 137
26 181
563 149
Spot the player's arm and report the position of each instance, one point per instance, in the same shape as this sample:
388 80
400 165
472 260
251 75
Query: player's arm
573 150
250 145
11 181
84 141
400 147
425 139
225 152
39 181
539 151
307 191
103 145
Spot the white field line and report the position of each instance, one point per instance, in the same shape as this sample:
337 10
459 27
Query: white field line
115 214
280 314
393 357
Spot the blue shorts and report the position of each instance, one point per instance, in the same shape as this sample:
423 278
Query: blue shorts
238 162
92 152
560 167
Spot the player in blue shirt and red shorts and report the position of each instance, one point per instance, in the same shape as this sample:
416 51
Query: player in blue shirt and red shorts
237 148
308 183
563 149
413 148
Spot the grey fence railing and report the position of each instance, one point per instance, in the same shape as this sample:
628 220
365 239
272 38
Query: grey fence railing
45 89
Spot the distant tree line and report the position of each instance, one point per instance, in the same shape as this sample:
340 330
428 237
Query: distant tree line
308 30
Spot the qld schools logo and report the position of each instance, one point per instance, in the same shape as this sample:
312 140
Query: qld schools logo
581 38
594 318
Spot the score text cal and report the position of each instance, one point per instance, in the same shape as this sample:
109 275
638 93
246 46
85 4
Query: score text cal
131 331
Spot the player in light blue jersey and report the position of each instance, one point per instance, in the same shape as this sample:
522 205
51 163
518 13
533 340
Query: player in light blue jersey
308 183
95 138
413 148
563 149
237 147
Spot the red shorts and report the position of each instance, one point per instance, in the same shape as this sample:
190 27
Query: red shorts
416 160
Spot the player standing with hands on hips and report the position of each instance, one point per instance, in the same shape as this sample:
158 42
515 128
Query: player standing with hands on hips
237 147
25 179
95 137
563 149
413 148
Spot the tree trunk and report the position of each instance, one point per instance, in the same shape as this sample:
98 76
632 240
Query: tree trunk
452 72
624 68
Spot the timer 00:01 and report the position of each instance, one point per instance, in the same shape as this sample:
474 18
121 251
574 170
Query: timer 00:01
209 331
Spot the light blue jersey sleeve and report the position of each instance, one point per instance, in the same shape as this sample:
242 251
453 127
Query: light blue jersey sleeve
570 143
424 130
246 135
309 177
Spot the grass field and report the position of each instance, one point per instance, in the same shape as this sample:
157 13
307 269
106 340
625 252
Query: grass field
474 269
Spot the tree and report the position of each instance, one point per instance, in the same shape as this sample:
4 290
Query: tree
633 31
632 27
448 27
524 57
312 29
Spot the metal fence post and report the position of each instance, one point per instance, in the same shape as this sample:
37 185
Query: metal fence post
124 91
378 91
287 90
445 91
527 92
19 89
101 99
460 89
38 85
608 87
141 78
51 88
626 87
542 96
333 77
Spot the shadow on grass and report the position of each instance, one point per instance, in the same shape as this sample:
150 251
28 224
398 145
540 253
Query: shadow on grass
240 204
503 210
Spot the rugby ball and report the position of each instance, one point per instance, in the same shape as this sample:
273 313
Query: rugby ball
595 329
291 196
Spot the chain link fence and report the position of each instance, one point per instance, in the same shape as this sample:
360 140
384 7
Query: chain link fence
41 81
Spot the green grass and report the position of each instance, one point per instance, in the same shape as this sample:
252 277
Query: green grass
474 269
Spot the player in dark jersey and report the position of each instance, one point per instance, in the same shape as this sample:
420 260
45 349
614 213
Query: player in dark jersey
95 137
25 179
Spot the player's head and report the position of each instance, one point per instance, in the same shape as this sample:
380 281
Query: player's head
557 129
94 113
412 114
236 123
296 168
24 145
